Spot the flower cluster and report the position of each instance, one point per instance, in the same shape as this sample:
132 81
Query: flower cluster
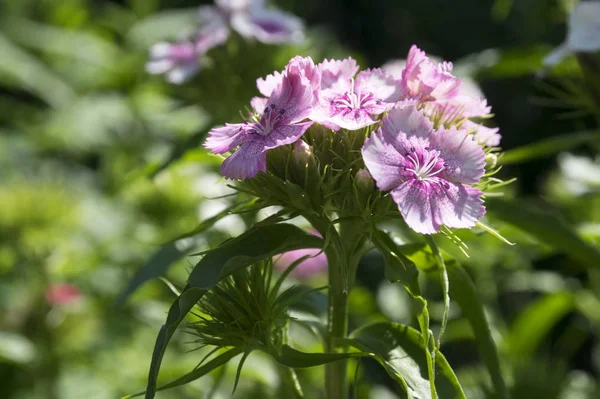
251 19
418 139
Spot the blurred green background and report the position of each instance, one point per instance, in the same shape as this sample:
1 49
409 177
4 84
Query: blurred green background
88 194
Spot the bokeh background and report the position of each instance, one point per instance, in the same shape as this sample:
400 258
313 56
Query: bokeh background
88 192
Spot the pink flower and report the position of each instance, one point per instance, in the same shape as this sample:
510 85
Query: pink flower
349 103
62 294
429 172
434 84
252 20
279 121
317 263
178 61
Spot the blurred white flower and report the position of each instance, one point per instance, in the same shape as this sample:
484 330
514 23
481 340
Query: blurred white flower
581 175
583 33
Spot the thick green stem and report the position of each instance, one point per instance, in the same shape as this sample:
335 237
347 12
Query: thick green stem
336 376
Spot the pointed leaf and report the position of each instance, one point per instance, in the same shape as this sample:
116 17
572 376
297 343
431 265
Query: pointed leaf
400 350
201 371
256 244
290 357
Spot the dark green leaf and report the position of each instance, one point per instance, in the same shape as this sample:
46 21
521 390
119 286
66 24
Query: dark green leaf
198 372
546 226
290 357
464 292
254 245
398 268
401 351
157 266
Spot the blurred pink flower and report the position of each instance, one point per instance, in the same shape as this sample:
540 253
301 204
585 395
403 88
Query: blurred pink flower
310 267
62 294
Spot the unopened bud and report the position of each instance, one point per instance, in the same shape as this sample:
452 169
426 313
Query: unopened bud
302 152
364 181
491 160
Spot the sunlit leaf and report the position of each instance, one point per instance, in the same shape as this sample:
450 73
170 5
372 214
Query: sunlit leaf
401 351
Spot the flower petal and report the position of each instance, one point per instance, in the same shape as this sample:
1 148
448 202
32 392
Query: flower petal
285 134
333 71
259 104
268 84
465 159
406 118
298 91
246 162
427 205
382 85
423 79
226 138
383 161
486 136
268 26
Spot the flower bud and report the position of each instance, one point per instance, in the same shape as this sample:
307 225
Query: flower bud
491 160
364 182
302 152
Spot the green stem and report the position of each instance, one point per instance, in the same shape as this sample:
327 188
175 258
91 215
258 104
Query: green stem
343 252
336 376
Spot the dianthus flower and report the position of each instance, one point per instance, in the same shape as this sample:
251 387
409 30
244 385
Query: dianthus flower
429 172
353 102
278 121
252 20
179 61
442 92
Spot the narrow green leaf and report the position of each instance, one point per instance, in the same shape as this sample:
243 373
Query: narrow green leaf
546 226
238 373
180 308
548 147
290 357
401 351
398 268
254 245
218 361
464 292
534 323
445 284
157 266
